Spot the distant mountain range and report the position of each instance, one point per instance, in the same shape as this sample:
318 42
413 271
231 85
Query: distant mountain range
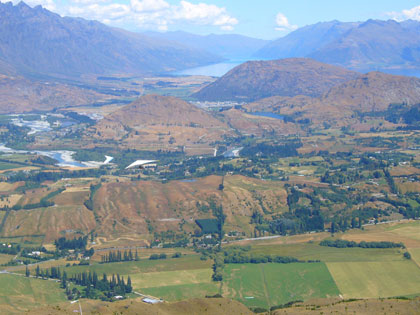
37 41
230 46
372 45
254 80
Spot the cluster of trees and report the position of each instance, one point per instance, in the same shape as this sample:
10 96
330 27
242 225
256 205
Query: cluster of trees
43 203
119 256
217 267
363 244
157 256
76 243
402 112
259 259
13 250
240 255
105 288
392 186
170 239
16 137
40 177
299 219
265 150
93 189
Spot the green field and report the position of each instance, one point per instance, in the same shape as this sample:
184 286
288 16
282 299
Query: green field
266 285
415 255
144 266
313 251
9 166
18 294
183 291
169 278
376 279
408 230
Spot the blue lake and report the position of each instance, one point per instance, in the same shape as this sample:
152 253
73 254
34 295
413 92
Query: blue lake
214 70
267 114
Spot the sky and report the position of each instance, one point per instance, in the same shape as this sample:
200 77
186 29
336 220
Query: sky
267 19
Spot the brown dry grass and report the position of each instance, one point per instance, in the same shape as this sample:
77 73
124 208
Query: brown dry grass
216 306
362 307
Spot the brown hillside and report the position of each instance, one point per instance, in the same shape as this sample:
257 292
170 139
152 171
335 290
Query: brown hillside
154 121
130 208
214 306
125 208
248 124
255 80
362 307
21 95
373 91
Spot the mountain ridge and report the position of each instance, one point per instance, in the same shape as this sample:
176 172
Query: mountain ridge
371 45
231 46
35 40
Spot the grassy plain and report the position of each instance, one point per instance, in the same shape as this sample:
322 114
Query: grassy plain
376 279
170 278
313 251
415 255
19 294
183 291
144 266
266 285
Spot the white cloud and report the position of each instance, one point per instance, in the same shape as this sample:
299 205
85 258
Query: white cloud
283 23
410 14
144 14
149 5
105 13
203 13
152 14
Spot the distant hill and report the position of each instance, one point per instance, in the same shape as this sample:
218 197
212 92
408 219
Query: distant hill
19 95
254 80
37 41
231 46
374 91
155 121
371 92
372 45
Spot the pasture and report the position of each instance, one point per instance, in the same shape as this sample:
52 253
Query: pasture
266 285
19 294
313 251
182 291
171 278
376 279
144 266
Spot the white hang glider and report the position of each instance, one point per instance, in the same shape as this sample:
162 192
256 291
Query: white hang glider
141 164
